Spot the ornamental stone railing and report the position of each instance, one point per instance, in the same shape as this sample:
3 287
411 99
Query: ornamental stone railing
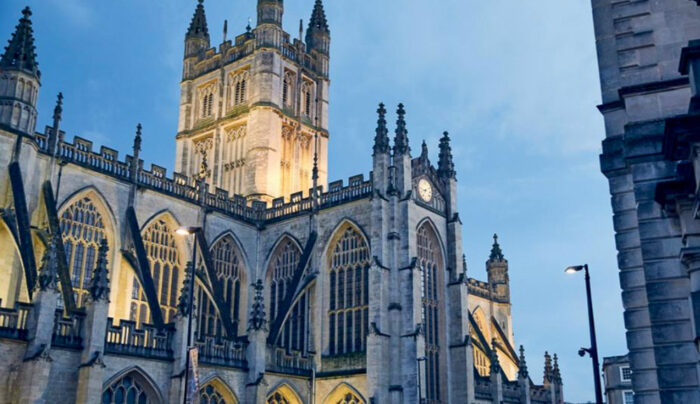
222 352
351 361
482 387
67 331
185 188
147 341
13 321
289 362
511 392
539 394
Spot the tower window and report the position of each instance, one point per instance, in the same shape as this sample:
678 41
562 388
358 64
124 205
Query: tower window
306 92
207 103
237 88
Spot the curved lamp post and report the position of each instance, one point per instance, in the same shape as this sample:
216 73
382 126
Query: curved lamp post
593 350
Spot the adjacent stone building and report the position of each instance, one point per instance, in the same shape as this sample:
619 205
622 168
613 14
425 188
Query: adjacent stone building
618 380
304 291
649 74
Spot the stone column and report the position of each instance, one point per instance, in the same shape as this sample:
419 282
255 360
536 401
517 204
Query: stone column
90 375
33 378
523 378
257 348
496 376
177 387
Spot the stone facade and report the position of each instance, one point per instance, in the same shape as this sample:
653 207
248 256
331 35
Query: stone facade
618 380
350 293
648 107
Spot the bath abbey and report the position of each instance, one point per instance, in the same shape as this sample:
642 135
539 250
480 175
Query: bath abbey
244 276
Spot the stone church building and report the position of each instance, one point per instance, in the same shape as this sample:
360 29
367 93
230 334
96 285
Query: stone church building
304 291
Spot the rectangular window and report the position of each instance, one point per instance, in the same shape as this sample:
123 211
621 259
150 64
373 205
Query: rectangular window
628 397
626 373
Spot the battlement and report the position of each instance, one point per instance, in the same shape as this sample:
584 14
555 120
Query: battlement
107 162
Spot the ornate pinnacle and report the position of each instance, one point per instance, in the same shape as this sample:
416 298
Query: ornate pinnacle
495 364
547 367
556 374
203 168
54 135
424 152
522 371
184 305
401 134
58 109
99 284
48 277
257 313
20 52
381 139
318 21
496 253
446 167
198 25
137 142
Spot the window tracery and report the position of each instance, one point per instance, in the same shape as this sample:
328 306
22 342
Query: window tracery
307 98
285 261
288 89
210 395
206 101
430 265
229 271
83 229
127 390
234 158
481 362
165 263
349 298
238 83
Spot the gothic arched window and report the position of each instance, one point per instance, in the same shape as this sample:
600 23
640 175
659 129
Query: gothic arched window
206 101
287 87
430 265
283 395
307 100
348 264
132 388
229 273
238 88
284 262
83 228
481 362
343 394
209 395
166 266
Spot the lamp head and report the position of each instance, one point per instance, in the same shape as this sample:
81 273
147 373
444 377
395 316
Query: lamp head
573 269
187 230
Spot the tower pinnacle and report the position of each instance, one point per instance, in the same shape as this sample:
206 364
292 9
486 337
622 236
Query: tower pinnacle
198 26
381 139
20 52
401 134
446 167
496 253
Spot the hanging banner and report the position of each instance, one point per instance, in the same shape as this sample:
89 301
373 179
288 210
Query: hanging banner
193 375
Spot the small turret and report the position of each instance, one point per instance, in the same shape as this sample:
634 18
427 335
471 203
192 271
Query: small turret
522 369
497 270
318 35
20 75
196 39
99 283
270 12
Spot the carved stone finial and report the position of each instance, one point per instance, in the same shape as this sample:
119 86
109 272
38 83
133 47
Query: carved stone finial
556 374
401 134
381 138
99 284
547 368
137 142
203 168
48 276
496 253
522 370
257 313
446 166
495 363
184 303
58 109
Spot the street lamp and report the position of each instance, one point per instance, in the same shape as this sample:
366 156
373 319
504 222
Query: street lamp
593 350
188 231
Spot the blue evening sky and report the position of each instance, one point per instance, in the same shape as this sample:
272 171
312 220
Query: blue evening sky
515 83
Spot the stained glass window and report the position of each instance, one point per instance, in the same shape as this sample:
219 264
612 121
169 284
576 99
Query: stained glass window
127 390
83 229
348 311
166 266
209 395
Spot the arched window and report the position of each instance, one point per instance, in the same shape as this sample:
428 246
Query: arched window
344 394
430 265
283 395
237 88
216 392
229 273
348 263
83 228
481 362
132 388
287 86
164 258
284 262
307 99
207 101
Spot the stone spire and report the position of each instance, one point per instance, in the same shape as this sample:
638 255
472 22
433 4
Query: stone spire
401 134
495 364
446 167
496 253
136 149
522 369
548 376
198 26
99 284
257 313
556 374
48 275
184 301
381 139
20 53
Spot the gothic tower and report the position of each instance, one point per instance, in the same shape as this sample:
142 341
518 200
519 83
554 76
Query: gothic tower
499 286
256 107
19 79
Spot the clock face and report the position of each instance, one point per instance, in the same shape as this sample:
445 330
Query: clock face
425 190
